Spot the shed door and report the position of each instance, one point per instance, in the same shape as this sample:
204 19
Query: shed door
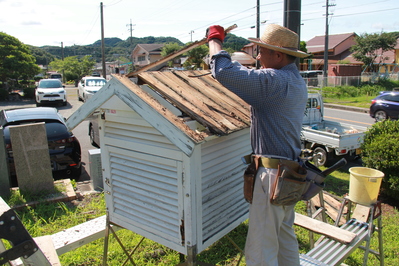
144 194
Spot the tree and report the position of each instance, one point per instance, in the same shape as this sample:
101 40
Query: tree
370 47
302 47
168 49
42 56
234 42
16 60
74 68
196 57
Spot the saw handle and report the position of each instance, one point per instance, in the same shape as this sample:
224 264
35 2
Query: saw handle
336 166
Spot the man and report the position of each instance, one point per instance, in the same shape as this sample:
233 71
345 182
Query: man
277 95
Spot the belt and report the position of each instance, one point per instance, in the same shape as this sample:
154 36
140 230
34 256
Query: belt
273 163
269 162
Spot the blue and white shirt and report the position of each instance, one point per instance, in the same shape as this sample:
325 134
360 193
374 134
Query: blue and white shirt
277 98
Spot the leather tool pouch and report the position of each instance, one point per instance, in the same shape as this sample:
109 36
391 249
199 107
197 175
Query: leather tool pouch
290 184
249 179
314 180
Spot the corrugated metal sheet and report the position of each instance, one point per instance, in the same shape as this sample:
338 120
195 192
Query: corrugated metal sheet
202 98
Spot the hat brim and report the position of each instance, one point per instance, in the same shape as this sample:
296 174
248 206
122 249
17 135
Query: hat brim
296 53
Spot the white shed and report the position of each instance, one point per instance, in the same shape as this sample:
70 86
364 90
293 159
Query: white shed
171 148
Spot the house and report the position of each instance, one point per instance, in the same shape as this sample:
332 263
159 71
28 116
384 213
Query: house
251 49
244 59
171 148
338 49
144 54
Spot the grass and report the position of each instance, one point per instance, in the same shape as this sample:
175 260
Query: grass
363 101
49 218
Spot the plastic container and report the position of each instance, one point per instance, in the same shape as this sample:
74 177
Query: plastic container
364 185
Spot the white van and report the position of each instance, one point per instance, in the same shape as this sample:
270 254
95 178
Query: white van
55 76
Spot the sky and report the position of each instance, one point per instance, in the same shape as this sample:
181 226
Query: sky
78 22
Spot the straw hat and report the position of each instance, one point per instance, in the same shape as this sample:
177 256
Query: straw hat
279 38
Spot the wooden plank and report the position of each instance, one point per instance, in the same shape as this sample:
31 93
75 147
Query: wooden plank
197 99
181 102
331 205
46 245
162 119
209 79
91 105
79 235
361 213
233 106
322 228
175 54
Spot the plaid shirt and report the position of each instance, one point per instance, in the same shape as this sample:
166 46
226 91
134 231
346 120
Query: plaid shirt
277 98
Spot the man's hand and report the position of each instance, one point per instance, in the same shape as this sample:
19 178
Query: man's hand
215 32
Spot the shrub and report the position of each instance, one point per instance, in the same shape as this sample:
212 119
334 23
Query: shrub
29 92
380 151
3 94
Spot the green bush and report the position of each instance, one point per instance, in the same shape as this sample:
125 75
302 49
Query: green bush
29 92
3 94
380 151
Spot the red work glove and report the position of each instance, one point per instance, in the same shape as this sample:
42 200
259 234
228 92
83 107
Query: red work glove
215 32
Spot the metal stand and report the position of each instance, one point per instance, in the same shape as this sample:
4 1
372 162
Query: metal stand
106 239
24 247
374 212
191 258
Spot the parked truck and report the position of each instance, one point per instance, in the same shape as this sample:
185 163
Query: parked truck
329 141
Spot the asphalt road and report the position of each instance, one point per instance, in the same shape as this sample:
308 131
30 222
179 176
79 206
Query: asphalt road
81 131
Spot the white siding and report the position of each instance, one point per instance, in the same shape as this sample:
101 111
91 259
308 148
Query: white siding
144 178
223 204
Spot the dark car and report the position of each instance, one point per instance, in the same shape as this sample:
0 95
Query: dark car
385 105
64 147
94 132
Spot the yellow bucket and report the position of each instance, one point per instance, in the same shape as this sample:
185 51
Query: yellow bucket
364 185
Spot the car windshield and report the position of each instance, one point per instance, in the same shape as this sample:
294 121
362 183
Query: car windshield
50 84
95 82
54 129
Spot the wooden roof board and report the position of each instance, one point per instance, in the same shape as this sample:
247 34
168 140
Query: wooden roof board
208 102
166 113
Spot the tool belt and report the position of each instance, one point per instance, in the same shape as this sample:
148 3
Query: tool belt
294 182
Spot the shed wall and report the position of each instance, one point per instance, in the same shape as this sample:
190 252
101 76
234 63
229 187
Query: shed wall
148 180
143 174
223 204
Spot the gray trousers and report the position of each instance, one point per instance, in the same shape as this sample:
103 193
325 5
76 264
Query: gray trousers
271 240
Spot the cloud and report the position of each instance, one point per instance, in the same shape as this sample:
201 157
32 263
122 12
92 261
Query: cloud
30 23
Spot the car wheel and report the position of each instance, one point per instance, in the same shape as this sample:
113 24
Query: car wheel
79 98
75 173
380 115
321 157
91 134
38 105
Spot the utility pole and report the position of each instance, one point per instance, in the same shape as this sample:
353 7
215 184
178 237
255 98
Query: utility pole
191 33
102 42
292 18
131 30
131 41
62 57
257 29
325 74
